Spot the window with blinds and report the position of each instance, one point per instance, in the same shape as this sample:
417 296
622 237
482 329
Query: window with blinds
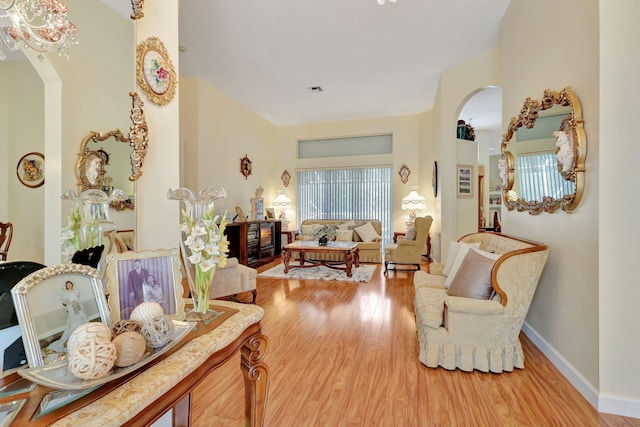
538 176
344 194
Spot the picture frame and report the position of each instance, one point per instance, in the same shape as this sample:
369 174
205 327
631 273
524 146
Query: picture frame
271 213
51 303
246 167
286 177
141 276
404 173
30 169
464 181
155 73
434 178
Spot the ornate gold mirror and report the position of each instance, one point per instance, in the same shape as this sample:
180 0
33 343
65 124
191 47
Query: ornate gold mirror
110 159
543 153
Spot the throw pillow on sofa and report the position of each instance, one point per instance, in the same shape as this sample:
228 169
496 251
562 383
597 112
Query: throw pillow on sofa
344 235
367 233
346 225
452 257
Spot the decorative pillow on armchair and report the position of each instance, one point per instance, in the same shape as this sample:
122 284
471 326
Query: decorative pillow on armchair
473 278
411 234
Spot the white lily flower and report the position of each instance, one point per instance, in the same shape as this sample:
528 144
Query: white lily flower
206 265
199 230
195 258
67 234
197 245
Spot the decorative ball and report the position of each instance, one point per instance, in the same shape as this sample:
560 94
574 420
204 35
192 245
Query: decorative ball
87 331
158 331
122 326
130 347
146 312
92 358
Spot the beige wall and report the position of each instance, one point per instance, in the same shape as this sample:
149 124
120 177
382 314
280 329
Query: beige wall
406 135
457 85
565 308
617 218
217 132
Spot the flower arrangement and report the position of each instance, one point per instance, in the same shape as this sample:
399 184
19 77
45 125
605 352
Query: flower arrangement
325 231
208 247
70 237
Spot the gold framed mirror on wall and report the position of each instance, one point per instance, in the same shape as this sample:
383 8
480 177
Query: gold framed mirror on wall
543 154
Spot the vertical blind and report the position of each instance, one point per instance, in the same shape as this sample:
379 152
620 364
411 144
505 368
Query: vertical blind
344 194
538 177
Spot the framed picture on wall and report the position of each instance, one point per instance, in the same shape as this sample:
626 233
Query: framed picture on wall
464 182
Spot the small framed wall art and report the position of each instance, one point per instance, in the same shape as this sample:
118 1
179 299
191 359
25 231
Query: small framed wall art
30 170
155 73
404 173
464 181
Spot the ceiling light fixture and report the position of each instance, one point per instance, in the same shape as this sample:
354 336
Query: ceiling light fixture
42 25
381 2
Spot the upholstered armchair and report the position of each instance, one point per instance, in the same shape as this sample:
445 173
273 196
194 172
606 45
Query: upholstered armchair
409 251
233 279
468 333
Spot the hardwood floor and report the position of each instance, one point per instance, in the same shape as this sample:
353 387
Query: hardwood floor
346 354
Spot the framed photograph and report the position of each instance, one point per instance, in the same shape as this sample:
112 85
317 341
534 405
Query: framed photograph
136 277
464 181
271 213
30 170
51 303
155 73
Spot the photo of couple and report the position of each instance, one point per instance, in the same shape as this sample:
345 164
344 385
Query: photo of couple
146 280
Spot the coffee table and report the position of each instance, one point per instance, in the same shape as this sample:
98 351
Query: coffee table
349 249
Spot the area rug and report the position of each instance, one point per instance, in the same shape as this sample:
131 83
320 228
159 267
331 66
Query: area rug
358 274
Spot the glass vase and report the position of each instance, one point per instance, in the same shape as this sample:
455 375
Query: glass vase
199 281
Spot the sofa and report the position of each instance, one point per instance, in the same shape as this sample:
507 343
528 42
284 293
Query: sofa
228 281
475 322
369 247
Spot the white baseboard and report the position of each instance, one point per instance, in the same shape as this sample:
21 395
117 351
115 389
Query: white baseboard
584 387
607 404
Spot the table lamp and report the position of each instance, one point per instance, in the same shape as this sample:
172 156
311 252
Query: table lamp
413 202
282 203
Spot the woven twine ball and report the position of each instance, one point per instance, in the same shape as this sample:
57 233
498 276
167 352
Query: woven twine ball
86 331
158 331
122 326
130 347
146 312
92 358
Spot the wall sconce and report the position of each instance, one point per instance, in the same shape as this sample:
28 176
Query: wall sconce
413 202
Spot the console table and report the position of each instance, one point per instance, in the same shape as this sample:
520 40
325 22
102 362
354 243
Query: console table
166 383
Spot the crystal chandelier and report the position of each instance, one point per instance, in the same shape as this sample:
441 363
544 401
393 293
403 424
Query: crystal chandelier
41 25
381 2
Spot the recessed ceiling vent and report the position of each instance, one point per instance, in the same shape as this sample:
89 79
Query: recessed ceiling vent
314 89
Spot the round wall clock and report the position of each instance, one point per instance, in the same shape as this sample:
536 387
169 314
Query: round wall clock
245 166
155 74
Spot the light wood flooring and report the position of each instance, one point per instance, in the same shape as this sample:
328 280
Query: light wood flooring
346 354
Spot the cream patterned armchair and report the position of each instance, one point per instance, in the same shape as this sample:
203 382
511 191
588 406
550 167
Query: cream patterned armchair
409 251
228 281
471 333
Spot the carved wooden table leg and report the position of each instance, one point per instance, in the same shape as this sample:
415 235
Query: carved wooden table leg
256 379
348 262
287 258
356 257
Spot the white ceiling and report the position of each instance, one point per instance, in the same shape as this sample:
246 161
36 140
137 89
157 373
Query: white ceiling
370 60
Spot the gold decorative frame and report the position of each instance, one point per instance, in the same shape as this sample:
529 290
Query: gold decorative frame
163 264
573 124
138 136
404 173
137 6
286 177
155 73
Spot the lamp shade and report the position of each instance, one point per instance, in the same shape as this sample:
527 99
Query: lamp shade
414 201
282 201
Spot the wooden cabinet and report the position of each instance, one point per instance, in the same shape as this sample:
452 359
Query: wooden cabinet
254 242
